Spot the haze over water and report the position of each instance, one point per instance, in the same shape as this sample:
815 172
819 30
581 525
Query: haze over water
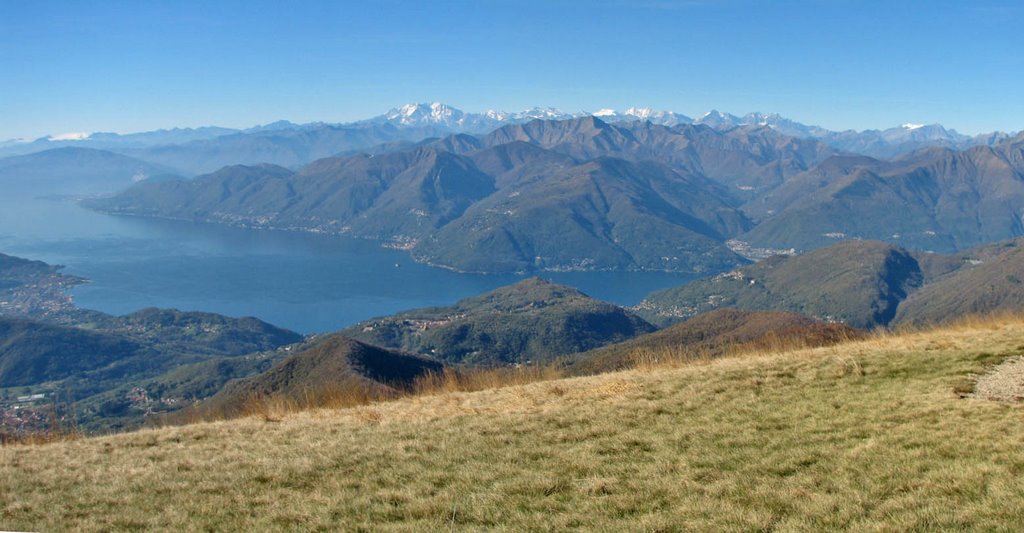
305 282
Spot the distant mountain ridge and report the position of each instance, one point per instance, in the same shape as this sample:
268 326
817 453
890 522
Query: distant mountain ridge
876 143
416 121
890 142
75 170
937 199
620 192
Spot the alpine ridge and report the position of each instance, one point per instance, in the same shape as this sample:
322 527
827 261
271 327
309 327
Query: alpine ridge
204 149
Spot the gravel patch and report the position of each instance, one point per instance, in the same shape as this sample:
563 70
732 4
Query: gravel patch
1004 383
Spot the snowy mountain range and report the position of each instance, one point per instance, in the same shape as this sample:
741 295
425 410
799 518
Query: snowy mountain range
879 143
438 115
436 119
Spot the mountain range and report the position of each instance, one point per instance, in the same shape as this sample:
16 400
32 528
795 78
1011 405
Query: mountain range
205 149
937 199
576 194
583 194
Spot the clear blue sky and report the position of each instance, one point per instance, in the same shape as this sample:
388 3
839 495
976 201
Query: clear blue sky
126 66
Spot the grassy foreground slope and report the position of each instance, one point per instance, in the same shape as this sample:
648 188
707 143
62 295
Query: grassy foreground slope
868 435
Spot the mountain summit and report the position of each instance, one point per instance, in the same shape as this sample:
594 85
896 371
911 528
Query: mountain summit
434 113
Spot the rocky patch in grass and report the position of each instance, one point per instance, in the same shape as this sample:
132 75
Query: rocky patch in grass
1005 383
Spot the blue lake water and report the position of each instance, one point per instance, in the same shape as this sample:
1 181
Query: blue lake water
305 282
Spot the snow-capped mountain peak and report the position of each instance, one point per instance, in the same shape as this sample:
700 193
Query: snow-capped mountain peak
718 119
910 126
71 136
493 114
408 110
545 113
762 119
424 114
641 112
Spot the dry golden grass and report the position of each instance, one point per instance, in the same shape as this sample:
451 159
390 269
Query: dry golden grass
482 379
343 395
867 435
665 357
355 392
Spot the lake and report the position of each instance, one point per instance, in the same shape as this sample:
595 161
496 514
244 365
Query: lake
306 282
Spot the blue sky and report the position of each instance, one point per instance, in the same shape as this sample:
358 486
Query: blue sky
134 66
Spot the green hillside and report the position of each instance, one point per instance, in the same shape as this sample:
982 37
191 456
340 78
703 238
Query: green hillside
32 353
89 375
859 283
531 321
993 284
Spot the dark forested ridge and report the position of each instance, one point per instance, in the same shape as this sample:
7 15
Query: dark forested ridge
334 365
